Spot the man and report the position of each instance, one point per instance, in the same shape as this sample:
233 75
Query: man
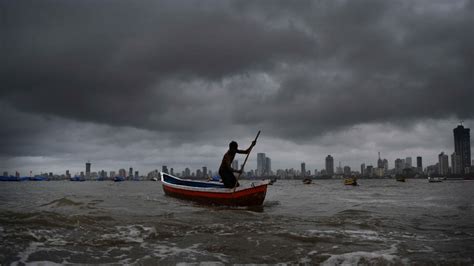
225 170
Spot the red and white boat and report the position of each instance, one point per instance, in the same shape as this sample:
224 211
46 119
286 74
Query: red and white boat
214 193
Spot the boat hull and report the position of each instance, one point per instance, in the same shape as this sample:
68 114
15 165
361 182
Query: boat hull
251 196
435 179
350 182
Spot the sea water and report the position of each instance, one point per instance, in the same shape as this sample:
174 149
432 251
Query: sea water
378 222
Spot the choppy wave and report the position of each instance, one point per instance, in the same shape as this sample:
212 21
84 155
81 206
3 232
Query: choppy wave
379 257
63 202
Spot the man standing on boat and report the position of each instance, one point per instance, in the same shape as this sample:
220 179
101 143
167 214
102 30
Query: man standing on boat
225 170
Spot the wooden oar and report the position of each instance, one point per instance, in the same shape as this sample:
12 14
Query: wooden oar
245 161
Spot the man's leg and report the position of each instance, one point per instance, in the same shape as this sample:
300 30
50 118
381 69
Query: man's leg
229 179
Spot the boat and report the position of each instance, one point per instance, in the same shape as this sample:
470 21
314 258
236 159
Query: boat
214 193
400 178
154 179
272 181
119 179
350 181
14 178
307 181
38 178
77 178
435 179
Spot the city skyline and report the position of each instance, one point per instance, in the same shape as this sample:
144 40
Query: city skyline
376 164
172 83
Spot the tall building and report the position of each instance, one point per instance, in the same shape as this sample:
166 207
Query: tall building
362 169
268 166
380 162
330 165
187 172
347 171
164 169
462 147
385 165
339 170
130 172
88 170
122 173
399 165
443 161
408 163
261 164
370 170
419 164
303 169
456 163
204 171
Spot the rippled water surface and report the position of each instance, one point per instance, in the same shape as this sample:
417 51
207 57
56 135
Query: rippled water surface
378 222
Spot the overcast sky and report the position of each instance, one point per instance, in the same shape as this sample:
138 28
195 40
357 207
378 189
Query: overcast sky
152 83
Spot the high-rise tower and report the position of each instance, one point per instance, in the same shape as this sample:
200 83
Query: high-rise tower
462 147
419 164
261 161
330 165
88 170
443 164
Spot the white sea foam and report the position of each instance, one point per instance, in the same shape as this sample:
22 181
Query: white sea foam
359 234
25 254
257 242
31 249
166 250
364 234
307 259
49 237
354 258
130 233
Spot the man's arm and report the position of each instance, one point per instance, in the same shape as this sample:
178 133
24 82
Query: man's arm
247 151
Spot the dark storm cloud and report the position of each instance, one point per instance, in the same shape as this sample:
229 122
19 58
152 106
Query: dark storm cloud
110 62
294 70
377 62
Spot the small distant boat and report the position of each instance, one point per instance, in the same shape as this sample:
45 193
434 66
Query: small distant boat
77 178
435 179
119 179
400 178
272 181
307 181
154 179
14 178
214 193
38 178
350 181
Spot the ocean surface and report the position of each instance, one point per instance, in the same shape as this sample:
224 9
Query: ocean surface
379 222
